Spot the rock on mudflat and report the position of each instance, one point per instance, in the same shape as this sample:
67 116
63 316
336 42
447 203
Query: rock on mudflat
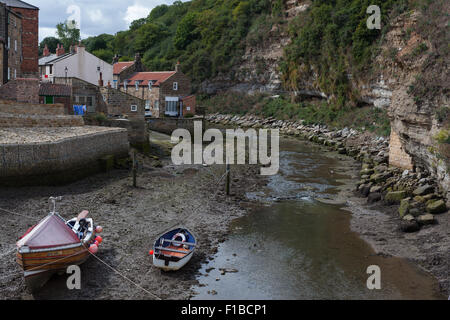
425 219
437 207
395 196
374 197
409 226
423 190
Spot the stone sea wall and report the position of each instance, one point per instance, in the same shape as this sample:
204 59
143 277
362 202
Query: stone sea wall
61 160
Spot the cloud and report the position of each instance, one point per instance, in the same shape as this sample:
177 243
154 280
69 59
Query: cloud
97 17
135 12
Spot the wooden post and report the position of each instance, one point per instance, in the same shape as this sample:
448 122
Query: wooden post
227 183
134 170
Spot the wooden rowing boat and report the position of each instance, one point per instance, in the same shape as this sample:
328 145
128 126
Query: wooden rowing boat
173 250
54 244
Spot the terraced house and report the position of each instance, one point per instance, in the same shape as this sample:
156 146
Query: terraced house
166 93
10 44
27 36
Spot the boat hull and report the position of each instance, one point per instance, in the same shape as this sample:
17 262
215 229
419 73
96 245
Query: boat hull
171 265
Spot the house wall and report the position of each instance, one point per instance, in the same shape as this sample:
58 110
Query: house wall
189 104
166 89
83 65
66 101
82 88
30 108
119 103
30 40
147 95
2 52
15 50
21 90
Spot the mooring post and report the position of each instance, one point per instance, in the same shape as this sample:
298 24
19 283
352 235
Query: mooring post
134 170
227 183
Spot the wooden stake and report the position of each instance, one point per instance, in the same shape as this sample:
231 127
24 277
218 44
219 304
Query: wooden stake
227 183
134 170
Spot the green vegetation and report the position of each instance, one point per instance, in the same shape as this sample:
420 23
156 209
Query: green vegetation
332 39
369 118
68 34
206 36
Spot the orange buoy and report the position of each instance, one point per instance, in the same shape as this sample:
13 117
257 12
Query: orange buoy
99 229
99 239
93 248
151 252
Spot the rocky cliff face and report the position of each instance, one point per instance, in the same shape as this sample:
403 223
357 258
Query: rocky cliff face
258 69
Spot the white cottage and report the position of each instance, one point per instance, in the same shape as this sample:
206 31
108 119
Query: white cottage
78 63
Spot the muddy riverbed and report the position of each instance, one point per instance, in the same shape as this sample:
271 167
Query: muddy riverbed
167 195
291 239
302 243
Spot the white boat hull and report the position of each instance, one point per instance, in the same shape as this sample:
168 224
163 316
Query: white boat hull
173 265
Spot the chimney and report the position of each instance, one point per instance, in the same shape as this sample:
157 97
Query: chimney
46 52
100 81
60 50
138 63
115 59
177 67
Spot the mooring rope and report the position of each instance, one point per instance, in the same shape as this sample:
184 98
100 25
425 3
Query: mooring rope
125 277
18 214
99 259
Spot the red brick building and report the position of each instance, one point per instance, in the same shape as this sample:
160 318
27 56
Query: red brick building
30 36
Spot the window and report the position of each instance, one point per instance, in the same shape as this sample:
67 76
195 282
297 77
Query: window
9 73
9 42
147 104
150 85
115 86
125 84
15 45
15 73
136 83
156 105
134 108
171 107
175 86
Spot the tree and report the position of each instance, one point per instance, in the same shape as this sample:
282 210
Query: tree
51 43
67 35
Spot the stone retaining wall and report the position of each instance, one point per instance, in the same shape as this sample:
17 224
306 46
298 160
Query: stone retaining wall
8 120
168 125
29 108
61 161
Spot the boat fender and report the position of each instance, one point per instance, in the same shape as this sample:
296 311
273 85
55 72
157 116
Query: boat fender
93 248
183 238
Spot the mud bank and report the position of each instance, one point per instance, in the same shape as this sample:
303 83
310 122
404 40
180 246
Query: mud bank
167 195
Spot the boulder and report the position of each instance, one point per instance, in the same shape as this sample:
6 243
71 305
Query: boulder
375 189
395 196
408 217
415 212
374 197
437 206
423 190
409 226
404 207
419 199
366 171
425 219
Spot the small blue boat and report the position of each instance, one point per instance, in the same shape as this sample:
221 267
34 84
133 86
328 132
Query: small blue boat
173 249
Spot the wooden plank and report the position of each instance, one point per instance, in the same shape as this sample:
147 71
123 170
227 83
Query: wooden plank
180 242
172 250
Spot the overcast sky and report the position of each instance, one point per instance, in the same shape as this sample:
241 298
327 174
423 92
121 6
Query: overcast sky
97 16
